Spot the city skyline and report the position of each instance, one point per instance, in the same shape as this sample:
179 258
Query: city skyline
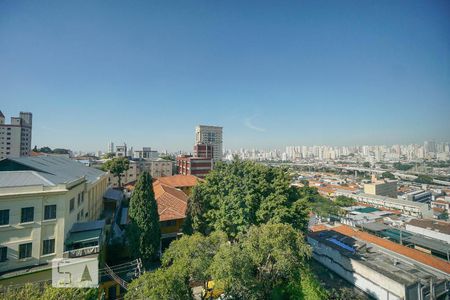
271 75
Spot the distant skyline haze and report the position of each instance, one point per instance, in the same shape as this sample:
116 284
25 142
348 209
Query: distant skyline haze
271 73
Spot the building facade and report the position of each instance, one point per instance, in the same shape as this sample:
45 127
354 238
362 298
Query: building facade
416 209
41 198
210 135
387 188
15 138
197 166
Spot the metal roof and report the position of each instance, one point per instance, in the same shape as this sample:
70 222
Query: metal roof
22 178
408 237
113 194
56 169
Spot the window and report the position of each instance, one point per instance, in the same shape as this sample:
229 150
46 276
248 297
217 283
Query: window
27 214
79 199
72 204
49 247
3 254
50 212
4 217
25 250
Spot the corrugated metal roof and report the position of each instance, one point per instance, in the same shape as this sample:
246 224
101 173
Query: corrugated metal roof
22 178
58 169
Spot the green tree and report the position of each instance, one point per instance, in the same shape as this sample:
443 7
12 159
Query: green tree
345 294
45 150
163 284
194 254
424 179
366 164
117 166
265 258
108 155
240 194
388 175
402 167
343 201
36 291
144 231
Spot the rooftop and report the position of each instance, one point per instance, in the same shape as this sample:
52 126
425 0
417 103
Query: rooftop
407 238
358 247
434 225
172 202
180 180
22 178
54 169
413 254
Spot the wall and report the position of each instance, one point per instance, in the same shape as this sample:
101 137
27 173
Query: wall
366 279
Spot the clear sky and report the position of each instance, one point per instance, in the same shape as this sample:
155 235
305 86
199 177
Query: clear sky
272 73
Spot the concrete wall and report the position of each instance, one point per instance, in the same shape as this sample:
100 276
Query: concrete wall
368 280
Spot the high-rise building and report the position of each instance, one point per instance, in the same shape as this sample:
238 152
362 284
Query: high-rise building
210 135
111 147
15 138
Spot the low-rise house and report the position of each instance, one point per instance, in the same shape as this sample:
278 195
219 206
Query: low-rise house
183 182
172 206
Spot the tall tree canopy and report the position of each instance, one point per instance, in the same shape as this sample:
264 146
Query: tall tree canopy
32 291
264 258
251 267
240 194
117 166
187 259
144 231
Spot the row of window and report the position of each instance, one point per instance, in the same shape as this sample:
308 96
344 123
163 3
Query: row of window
27 214
72 201
25 250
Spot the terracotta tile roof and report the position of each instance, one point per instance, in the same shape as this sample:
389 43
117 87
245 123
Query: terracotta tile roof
33 153
319 227
180 180
172 203
403 250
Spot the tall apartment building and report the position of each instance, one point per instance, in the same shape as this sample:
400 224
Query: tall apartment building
41 199
15 138
210 135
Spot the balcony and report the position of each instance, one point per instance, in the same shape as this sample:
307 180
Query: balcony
82 252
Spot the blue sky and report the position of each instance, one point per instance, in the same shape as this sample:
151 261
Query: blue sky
272 73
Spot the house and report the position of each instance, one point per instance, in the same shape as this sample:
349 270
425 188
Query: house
172 206
183 182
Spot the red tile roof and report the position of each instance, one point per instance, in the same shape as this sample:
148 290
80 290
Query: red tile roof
403 250
180 180
172 203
